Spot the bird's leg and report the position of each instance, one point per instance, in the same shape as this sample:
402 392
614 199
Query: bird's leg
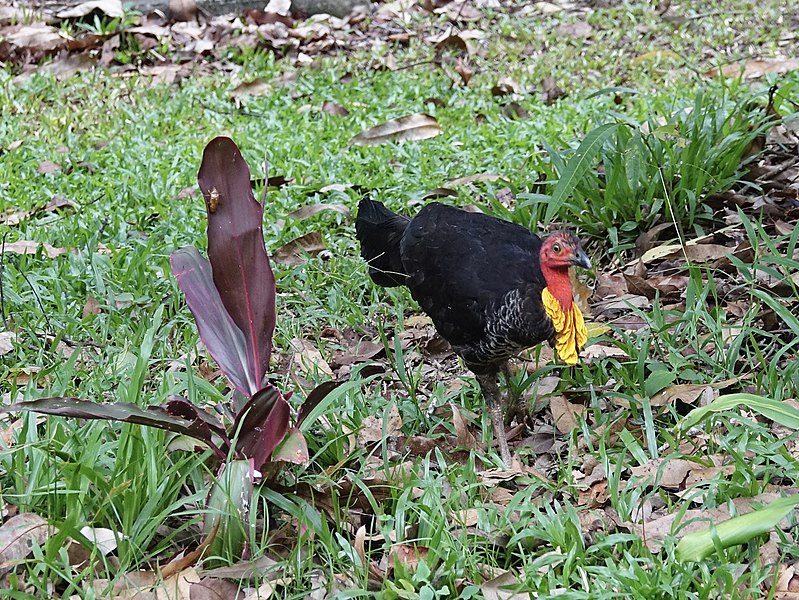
490 390
513 395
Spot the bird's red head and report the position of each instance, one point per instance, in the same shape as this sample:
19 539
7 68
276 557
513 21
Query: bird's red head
559 251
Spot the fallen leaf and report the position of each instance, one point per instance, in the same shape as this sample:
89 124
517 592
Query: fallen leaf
249 569
110 8
48 166
503 586
505 87
294 252
278 7
32 247
688 392
577 29
565 413
310 210
465 72
407 555
37 36
418 126
756 68
551 90
308 359
214 589
14 217
264 591
372 431
254 87
474 178
105 540
58 203
177 586
18 535
334 109
465 437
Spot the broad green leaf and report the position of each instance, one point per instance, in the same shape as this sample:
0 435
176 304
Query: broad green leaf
780 412
577 167
738 530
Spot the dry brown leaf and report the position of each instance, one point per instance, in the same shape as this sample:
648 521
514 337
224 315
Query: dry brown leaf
692 251
465 437
14 217
565 414
58 203
37 36
499 588
463 69
551 90
418 126
18 535
674 473
688 392
489 177
129 586
254 87
505 87
577 29
310 210
756 68
308 359
91 307
48 166
32 247
215 589
177 586
263 592
251 569
371 430
294 252
334 109
407 555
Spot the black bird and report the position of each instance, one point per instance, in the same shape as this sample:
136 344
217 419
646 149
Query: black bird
491 287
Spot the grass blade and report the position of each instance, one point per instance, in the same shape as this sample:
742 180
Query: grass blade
738 530
777 411
577 167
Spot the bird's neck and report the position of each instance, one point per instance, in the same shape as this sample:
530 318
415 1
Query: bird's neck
559 285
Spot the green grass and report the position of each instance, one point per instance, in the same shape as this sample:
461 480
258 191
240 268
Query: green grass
681 138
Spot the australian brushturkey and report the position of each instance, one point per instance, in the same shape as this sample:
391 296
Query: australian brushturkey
491 287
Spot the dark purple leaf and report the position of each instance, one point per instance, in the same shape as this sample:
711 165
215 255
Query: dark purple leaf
261 425
315 397
180 407
220 334
240 265
152 416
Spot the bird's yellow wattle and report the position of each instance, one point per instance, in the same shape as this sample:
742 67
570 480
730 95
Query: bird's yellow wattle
570 331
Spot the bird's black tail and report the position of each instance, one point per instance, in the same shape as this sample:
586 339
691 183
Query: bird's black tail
379 231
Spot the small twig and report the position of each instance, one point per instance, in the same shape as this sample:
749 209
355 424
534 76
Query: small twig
38 300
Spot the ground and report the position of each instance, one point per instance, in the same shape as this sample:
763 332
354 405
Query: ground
687 202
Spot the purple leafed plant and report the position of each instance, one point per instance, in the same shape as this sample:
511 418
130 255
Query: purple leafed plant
232 297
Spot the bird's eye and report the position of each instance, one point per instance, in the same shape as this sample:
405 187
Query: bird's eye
556 248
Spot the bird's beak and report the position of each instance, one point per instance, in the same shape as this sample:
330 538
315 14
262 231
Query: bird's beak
580 259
